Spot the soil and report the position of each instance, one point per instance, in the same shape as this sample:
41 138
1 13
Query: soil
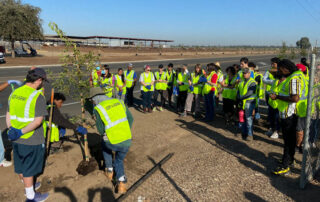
52 55
209 163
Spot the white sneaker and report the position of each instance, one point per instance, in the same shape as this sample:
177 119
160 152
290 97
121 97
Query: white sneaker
269 132
274 135
5 163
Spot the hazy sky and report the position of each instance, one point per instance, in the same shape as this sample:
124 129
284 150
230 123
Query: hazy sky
189 22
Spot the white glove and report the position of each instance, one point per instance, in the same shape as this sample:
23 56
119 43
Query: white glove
19 83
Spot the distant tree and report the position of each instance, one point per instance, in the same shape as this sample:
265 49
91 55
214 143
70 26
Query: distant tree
303 52
304 43
19 22
283 50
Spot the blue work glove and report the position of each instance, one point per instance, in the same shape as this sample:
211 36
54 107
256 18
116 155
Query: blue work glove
175 90
203 79
82 130
191 88
62 132
148 87
120 93
19 83
14 134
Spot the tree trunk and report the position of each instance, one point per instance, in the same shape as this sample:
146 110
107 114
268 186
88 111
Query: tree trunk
13 55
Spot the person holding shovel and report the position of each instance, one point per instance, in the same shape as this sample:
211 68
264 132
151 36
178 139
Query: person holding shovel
25 120
113 121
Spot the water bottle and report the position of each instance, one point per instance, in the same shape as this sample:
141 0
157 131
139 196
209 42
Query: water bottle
241 116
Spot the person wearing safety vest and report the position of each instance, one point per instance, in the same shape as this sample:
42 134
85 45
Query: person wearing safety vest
183 78
219 82
315 110
59 123
3 161
194 92
302 104
147 88
268 80
243 64
95 76
113 122
229 94
25 120
131 78
161 79
260 88
287 98
246 97
171 79
208 91
107 81
120 84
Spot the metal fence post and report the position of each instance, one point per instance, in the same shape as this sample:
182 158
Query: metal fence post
305 177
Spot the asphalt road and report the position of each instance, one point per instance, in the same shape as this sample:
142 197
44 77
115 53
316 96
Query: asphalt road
73 107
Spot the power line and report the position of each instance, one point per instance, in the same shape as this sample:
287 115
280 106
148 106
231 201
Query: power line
307 11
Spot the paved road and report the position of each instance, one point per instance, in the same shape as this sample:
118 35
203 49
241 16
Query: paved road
73 107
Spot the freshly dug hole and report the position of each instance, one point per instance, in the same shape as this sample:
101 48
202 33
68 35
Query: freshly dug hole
86 167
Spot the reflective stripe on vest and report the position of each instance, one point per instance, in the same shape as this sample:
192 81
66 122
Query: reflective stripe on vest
284 91
197 87
184 79
230 93
119 82
207 87
274 90
95 78
268 86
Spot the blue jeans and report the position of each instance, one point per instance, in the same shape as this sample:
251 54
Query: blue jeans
147 97
1 148
247 125
314 130
209 101
120 154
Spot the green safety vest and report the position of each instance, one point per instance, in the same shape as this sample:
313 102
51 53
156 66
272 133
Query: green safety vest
170 76
183 78
268 86
54 136
119 82
218 85
207 87
22 108
284 90
274 90
148 81
95 78
129 78
243 89
230 93
108 89
260 87
161 85
303 101
113 115
197 87
315 101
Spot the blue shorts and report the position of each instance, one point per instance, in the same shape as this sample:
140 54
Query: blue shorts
28 159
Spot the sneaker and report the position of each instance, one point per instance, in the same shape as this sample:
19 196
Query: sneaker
269 132
161 109
281 170
274 135
154 109
257 116
5 163
183 114
38 197
37 185
109 175
249 138
122 188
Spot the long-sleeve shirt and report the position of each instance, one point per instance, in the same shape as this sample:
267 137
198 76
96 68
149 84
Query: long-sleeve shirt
59 120
266 78
251 91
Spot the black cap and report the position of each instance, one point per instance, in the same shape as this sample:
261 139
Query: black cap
161 66
41 73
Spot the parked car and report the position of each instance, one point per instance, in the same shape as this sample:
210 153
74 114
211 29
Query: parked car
20 51
2 60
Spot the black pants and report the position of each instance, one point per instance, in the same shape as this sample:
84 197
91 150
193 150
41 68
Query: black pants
163 97
170 92
288 126
130 96
182 100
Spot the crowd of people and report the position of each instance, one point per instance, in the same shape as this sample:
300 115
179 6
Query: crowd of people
284 87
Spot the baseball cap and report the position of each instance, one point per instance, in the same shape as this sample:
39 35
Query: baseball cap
96 91
130 65
147 66
301 67
41 73
161 66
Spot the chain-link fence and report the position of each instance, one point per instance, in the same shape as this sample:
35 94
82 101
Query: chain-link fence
311 150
